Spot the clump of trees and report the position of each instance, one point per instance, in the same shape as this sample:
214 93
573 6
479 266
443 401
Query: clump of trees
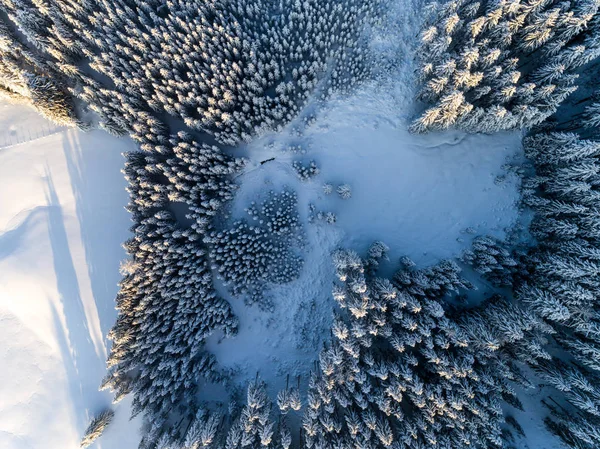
400 372
403 369
486 66
563 275
249 256
26 76
230 68
490 258
305 172
254 426
167 302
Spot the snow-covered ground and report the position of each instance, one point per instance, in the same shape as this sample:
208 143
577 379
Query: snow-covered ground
61 226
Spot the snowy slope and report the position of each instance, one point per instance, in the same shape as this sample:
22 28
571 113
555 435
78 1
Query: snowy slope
61 226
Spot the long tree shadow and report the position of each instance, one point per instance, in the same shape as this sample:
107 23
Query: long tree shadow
94 163
83 364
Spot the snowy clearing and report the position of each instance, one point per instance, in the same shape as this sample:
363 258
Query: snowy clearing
425 196
419 194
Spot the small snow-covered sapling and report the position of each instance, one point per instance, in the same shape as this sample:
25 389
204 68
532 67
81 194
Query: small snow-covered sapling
344 191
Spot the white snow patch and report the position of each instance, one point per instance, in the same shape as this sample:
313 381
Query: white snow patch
24 126
62 223
417 193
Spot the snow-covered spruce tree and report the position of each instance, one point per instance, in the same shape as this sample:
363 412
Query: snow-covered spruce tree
96 427
588 122
576 421
487 66
492 260
249 256
399 372
563 282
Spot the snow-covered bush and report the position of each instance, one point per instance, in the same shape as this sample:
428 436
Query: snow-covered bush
487 66
344 191
327 217
96 427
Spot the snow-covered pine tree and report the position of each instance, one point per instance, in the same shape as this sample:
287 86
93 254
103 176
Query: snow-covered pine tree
96 427
488 66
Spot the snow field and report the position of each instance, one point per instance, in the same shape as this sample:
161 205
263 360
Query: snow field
61 226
